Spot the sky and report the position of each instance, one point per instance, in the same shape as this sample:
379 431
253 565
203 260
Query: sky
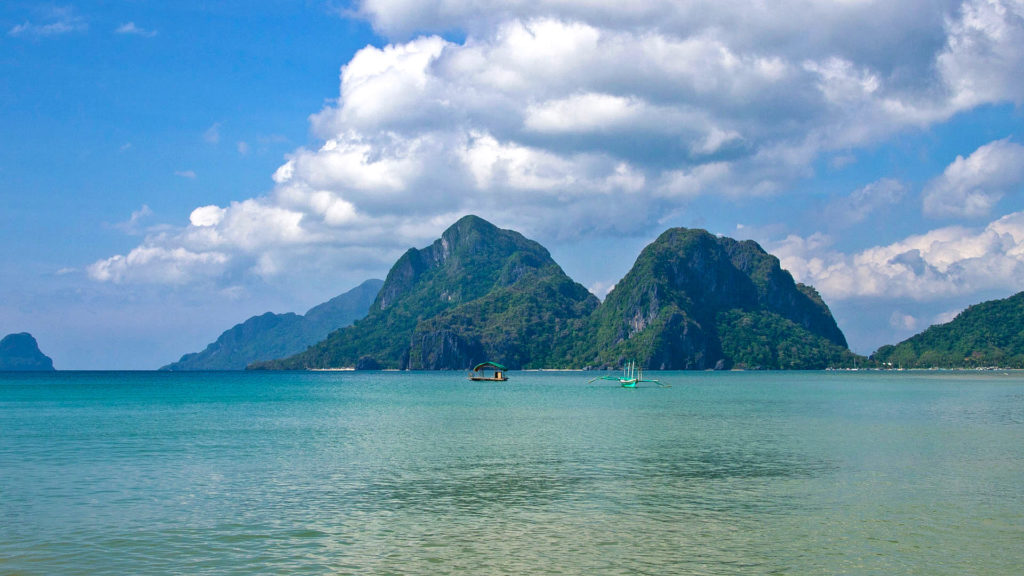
168 170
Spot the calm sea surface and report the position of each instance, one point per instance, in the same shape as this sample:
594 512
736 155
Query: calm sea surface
428 473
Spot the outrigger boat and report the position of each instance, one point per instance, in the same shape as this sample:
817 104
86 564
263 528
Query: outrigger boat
631 376
480 372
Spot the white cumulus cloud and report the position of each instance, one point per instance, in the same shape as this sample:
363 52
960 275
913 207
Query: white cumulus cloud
156 264
583 113
206 216
971 186
983 57
941 263
557 117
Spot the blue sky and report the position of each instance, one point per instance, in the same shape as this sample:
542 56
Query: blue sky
170 169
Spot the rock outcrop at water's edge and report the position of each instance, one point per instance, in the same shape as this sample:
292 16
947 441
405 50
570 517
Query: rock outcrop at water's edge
20 352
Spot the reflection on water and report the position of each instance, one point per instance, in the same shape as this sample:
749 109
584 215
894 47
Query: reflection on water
396 473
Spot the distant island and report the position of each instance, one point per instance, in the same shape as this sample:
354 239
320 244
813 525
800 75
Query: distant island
270 335
477 293
694 300
691 301
989 334
20 352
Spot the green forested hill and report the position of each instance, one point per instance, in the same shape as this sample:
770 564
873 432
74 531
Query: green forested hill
272 335
691 301
986 334
696 301
477 293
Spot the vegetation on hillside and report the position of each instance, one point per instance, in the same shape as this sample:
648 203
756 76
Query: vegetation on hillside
477 293
691 301
270 335
696 301
983 335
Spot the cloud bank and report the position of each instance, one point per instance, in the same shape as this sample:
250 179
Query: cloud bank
946 262
561 117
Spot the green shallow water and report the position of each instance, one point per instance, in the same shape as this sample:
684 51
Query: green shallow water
428 473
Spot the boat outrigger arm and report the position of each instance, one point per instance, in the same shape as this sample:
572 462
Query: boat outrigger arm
631 376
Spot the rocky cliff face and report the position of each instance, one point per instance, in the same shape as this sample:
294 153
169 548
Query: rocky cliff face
696 301
776 291
477 293
20 352
691 301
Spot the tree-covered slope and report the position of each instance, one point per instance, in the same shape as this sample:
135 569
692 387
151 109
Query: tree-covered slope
477 293
277 335
986 334
696 301
20 352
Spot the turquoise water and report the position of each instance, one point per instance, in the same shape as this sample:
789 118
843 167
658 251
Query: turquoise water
428 473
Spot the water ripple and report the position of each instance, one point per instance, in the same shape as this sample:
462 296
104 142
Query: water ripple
422 474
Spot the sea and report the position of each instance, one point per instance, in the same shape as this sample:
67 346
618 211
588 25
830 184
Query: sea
547 473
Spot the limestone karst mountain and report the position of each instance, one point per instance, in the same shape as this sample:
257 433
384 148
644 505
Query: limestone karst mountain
697 301
691 301
479 292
